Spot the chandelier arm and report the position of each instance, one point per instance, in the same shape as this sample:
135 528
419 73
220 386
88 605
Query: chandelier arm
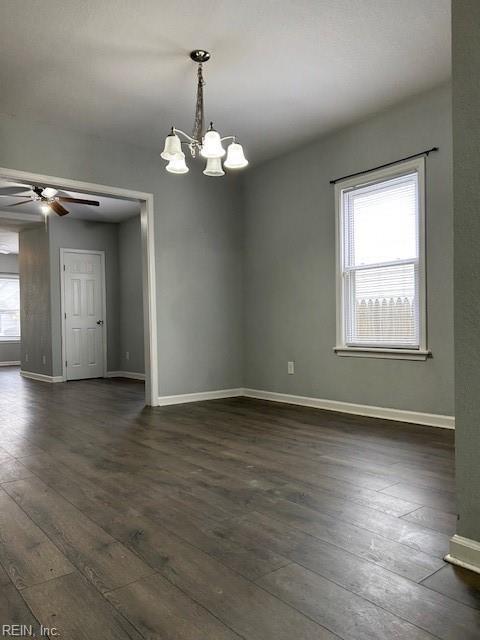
234 138
185 134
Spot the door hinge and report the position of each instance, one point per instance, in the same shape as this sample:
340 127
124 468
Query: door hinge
65 316
65 363
64 267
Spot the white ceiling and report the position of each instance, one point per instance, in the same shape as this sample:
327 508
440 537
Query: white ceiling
281 71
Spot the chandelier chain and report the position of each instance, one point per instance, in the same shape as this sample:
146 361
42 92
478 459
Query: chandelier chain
199 123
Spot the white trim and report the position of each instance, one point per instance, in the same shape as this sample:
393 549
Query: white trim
464 552
378 352
386 413
126 374
63 251
10 340
371 177
11 363
200 396
148 249
41 377
149 300
399 415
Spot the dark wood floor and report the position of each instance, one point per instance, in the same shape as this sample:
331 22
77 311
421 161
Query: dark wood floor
223 520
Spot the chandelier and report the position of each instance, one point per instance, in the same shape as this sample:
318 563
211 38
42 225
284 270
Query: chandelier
208 144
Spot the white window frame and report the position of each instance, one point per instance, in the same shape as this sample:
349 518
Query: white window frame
371 177
10 339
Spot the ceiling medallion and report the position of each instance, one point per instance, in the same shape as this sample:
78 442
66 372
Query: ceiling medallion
206 143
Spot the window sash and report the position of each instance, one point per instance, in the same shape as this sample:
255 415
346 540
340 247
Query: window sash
353 331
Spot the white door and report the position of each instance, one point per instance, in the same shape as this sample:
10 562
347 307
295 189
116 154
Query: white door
83 308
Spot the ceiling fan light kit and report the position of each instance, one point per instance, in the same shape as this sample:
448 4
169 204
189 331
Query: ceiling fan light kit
208 144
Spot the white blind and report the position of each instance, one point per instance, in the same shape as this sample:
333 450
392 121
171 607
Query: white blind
9 308
380 263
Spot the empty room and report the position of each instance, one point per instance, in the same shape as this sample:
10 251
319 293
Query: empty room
239 336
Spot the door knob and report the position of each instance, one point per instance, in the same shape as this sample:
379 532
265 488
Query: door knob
100 322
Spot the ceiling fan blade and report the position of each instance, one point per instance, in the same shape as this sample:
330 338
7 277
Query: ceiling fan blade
16 204
14 191
57 207
92 203
14 195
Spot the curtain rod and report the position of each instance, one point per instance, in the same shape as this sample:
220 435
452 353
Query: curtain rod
388 164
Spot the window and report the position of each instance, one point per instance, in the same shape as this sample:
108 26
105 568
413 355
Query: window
381 279
9 307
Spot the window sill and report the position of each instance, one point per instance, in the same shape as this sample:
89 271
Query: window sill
9 340
391 354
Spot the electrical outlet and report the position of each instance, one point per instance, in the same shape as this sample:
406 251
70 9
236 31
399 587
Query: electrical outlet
127 355
26 357
291 367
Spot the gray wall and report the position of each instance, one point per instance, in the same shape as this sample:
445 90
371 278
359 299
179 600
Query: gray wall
466 163
131 296
197 239
68 233
290 264
35 310
9 351
123 280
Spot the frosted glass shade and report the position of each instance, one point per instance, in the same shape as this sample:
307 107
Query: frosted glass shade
177 164
214 167
212 145
172 147
235 157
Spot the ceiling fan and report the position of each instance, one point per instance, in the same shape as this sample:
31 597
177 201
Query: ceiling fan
48 198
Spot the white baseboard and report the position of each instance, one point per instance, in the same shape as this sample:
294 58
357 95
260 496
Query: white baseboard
386 413
126 374
11 363
400 415
41 377
464 552
198 397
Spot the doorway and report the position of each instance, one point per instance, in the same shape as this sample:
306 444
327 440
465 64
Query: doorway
145 202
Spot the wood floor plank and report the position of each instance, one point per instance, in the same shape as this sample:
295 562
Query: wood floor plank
160 611
457 583
26 553
434 498
16 619
13 470
106 562
433 519
77 611
337 609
